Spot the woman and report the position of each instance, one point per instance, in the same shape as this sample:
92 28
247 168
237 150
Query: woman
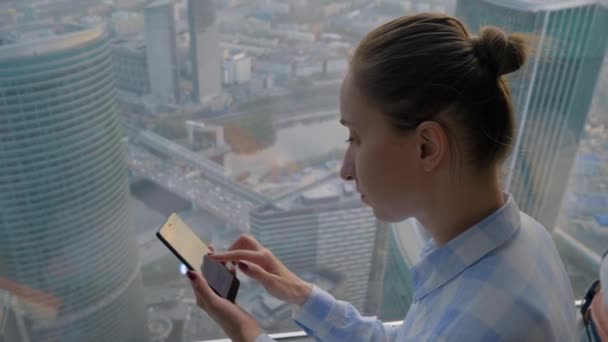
595 307
430 120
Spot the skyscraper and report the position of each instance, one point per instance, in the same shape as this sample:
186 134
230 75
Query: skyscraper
326 227
131 68
403 250
161 50
65 244
552 94
204 49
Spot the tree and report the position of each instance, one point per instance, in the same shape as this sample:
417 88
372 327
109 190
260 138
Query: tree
251 134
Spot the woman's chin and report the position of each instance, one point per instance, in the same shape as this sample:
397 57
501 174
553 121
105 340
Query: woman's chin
387 217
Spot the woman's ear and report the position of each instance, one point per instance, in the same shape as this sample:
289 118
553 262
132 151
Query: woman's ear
432 144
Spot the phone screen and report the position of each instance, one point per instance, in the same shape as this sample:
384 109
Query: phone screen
184 241
218 275
192 251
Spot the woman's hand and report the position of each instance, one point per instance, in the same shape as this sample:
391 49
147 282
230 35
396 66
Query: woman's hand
236 322
260 264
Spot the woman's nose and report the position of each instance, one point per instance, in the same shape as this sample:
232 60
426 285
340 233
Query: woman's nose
348 178
347 170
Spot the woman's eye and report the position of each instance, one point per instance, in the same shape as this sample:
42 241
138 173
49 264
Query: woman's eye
349 140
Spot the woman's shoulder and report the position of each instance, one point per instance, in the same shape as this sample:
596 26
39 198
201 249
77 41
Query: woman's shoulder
524 281
533 249
530 258
511 301
534 229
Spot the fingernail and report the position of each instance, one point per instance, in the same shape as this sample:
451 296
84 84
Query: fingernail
243 266
191 275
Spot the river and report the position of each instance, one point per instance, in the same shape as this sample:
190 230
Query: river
295 143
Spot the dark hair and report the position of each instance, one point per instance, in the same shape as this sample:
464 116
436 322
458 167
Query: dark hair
416 67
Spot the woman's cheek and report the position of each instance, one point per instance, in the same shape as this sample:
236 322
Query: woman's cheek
363 163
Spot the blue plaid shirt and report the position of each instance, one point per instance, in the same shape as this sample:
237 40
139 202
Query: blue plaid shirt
501 280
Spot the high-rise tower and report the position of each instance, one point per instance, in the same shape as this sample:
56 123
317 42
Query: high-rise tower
552 94
161 50
204 49
65 244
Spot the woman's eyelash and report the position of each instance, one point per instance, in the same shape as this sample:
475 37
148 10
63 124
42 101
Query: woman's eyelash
349 140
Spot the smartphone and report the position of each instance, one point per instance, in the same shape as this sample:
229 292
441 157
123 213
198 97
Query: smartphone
192 252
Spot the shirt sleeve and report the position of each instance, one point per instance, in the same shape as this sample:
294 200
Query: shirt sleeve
327 319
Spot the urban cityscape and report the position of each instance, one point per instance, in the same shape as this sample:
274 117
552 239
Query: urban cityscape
116 113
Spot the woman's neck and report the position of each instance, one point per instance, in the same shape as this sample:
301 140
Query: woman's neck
466 204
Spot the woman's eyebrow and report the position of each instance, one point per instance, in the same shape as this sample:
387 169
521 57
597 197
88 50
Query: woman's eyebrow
344 122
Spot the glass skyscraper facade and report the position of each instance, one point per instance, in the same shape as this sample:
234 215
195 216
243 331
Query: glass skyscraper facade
403 250
552 94
324 229
204 49
66 249
397 285
161 51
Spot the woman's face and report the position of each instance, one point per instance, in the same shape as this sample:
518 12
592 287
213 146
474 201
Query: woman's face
383 162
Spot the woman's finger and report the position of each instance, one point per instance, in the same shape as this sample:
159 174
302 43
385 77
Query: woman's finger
256 272
212 249
255 257
246 242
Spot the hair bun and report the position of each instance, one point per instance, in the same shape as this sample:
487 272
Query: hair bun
502 52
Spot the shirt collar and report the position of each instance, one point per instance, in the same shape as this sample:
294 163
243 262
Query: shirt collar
440 265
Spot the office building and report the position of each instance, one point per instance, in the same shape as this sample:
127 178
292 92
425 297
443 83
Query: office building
161 51
327 228
279 66
64 231
203 136
552 94
236 68
205 52
130 67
